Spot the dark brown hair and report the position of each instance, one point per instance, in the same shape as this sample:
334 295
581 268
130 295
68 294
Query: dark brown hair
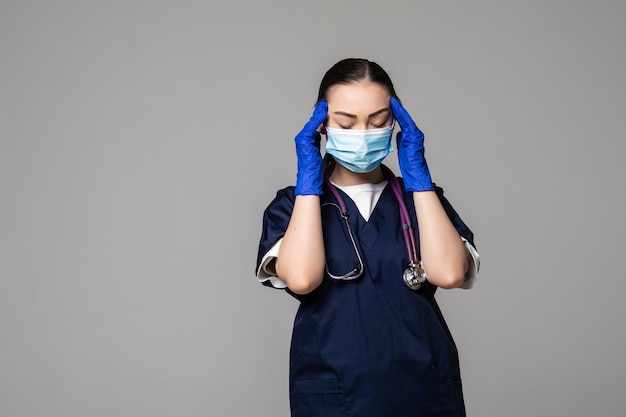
352 70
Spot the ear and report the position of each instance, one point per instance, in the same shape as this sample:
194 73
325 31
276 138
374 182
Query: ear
322 128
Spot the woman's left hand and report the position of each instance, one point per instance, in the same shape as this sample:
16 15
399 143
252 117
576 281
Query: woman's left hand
443 254
410 142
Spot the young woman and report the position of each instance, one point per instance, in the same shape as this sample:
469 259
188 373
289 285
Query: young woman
364 252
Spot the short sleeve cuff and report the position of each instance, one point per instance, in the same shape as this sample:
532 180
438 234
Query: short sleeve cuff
472 271
266 272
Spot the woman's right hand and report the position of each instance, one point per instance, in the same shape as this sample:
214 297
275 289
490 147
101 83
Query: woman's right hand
301 259
310 175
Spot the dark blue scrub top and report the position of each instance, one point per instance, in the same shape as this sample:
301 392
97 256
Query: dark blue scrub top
370 346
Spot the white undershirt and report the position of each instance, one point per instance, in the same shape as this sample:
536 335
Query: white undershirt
365 197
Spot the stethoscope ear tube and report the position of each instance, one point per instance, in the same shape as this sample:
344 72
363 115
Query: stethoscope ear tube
356 272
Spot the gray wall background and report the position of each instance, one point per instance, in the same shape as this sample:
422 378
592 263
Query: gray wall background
140 142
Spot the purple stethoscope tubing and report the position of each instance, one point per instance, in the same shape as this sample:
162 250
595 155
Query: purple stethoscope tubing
414 275
409 237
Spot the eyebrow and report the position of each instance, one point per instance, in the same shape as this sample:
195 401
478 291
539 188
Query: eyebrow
353 116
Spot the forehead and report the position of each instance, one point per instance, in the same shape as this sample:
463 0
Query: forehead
357 97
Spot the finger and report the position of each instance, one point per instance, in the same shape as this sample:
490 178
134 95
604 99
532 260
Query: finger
402 116
317 118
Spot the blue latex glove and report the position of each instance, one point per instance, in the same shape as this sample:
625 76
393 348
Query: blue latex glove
410 142
310 165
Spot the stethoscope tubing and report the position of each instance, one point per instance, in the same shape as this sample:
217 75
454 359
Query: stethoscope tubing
356 272
409 237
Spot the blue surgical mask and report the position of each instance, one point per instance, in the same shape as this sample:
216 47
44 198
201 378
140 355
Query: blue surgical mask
359 150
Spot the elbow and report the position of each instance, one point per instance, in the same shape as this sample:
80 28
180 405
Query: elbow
304 284
449 274
451 282
301 280
448 279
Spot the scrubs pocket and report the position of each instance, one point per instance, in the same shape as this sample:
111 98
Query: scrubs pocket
452 404
317 397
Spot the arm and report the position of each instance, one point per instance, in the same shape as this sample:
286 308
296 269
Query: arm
301 260
443 253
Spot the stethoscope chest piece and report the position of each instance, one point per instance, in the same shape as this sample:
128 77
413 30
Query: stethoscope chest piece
414 276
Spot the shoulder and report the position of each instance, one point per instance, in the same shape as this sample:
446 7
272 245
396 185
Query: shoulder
282 202
276 218
284 195
287 192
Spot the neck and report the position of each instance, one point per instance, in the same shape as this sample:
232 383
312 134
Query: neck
344 177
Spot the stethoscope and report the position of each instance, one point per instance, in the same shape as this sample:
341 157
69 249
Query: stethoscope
414 275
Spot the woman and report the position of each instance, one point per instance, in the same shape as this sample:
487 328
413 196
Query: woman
369 338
